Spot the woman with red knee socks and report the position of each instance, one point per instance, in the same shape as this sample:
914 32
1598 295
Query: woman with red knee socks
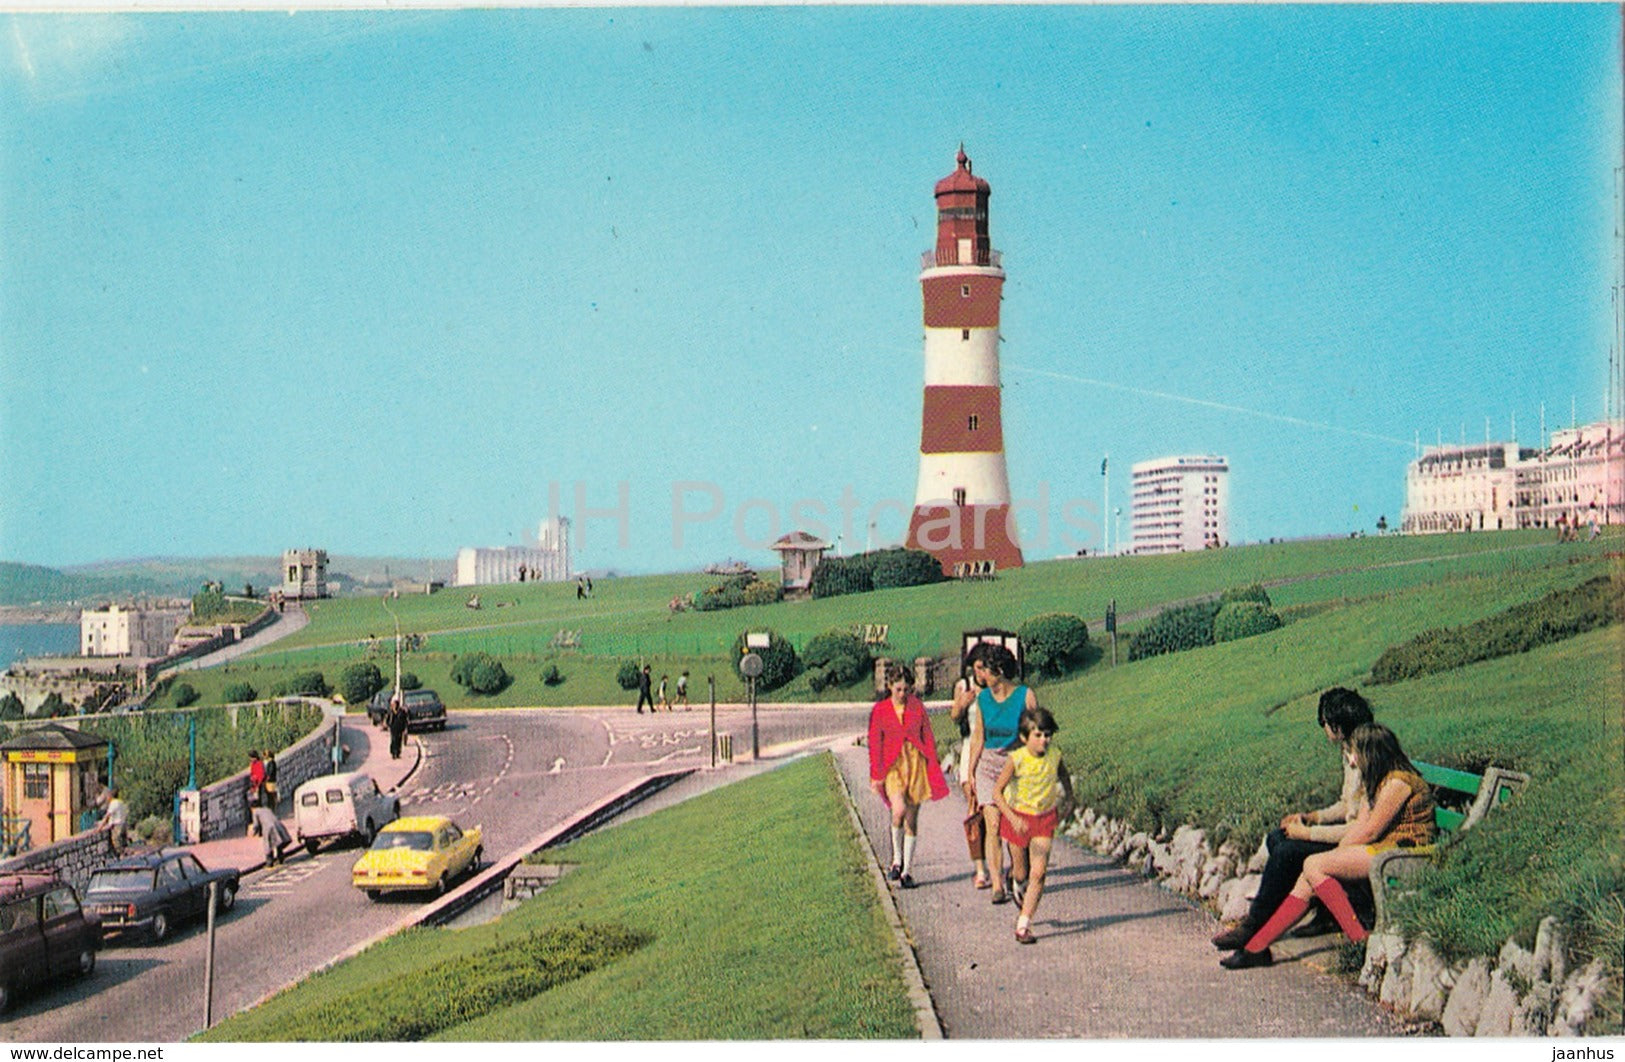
1396 811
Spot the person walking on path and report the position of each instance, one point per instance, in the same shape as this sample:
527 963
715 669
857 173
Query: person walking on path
644 696
1303 834
993 734
682 690
1030 810
964 713
903 767
268 784
273 835
397 719
1396 810
665 700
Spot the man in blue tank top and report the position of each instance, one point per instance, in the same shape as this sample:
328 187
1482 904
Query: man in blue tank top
993 734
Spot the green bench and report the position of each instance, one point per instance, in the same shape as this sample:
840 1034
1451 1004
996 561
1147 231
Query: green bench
1389 869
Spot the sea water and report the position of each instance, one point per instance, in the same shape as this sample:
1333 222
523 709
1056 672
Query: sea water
19 640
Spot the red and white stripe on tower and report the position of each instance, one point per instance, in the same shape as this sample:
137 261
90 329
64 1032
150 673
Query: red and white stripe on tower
962 502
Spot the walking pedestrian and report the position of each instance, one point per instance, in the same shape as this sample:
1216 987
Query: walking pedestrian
963 712
682 690
643 691
1029 811
398 719
999 706
665 701
903 767
581 589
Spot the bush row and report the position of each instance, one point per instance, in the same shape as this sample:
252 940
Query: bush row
878 570
736 591
456 991
1560 614
1245 610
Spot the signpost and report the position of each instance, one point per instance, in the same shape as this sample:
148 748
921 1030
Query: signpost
1111 627
750 666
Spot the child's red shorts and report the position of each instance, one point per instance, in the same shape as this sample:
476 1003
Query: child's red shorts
1037 826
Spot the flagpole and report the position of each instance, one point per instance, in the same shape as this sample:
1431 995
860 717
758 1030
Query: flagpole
1106 502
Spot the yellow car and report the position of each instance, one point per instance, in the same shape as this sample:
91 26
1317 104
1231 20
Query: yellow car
418 853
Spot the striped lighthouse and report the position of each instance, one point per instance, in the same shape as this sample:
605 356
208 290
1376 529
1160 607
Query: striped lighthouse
962 501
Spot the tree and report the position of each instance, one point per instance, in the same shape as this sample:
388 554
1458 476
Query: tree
410 680
184 694
359 682
489 676
627 676
11 707
1053 643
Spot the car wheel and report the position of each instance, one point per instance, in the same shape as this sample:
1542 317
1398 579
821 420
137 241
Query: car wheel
310 846
375 895
479 857
160 926
225 899
440 885
6 997
87 962
368 832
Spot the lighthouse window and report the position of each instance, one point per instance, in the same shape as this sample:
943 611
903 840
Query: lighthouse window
970 424
959 495
964 333
964 291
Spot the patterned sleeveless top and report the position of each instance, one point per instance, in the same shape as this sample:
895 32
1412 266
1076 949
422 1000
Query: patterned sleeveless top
1414 824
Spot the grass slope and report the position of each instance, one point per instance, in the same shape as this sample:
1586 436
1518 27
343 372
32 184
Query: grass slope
763 921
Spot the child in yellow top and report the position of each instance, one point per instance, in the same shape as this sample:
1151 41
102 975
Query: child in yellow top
1028 797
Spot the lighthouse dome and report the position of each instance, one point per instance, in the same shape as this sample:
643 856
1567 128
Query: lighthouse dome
962 180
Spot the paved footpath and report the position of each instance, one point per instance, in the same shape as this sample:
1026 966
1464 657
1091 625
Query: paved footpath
1117 955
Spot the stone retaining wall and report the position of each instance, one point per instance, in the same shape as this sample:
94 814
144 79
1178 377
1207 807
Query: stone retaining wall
73 859
1518 993
224 804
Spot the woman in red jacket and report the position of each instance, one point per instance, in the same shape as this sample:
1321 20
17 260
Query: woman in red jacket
903 767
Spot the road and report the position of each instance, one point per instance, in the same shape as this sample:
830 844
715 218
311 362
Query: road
514 772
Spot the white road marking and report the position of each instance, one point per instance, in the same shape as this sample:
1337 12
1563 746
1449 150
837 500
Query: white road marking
558 765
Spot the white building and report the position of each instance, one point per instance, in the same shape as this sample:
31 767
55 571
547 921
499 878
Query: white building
135 631
1498 486
1180 504
546 562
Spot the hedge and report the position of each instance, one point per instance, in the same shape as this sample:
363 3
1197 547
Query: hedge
838 658
1174 630
1053 643
1558 615
1243 619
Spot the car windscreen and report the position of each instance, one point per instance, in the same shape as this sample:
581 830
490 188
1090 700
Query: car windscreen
415 840
114 880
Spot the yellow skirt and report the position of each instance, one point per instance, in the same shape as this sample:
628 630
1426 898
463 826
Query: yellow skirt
909 777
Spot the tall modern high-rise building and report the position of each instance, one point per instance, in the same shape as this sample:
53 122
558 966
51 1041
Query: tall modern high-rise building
1181 504
962 498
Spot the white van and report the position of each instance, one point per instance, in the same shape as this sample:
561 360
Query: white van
341 806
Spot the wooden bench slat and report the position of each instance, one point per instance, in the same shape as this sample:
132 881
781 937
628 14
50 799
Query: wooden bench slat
1447 820
1449 778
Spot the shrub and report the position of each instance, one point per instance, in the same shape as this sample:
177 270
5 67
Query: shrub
551 675
53 706
1243 619
488 676
627 676
1560 614
306 684
905 567
835 576
1053 643
238 693
11 707
840 658
779 663
1254 592
1174 630
761 592
462 669
359 682
410 681
184 694
155 830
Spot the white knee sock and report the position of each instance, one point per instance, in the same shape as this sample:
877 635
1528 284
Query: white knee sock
896 845
908 853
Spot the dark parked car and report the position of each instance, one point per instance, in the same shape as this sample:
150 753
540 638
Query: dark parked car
424 710
43 933
155 892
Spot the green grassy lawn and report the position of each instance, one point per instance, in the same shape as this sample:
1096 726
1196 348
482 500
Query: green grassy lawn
763 925
1225 738
627 618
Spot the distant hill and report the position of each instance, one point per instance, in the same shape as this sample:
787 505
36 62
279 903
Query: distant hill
90 584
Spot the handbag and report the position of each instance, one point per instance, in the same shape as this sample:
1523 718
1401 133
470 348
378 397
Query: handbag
975 830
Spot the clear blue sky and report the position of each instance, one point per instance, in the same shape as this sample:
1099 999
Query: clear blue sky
370 281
